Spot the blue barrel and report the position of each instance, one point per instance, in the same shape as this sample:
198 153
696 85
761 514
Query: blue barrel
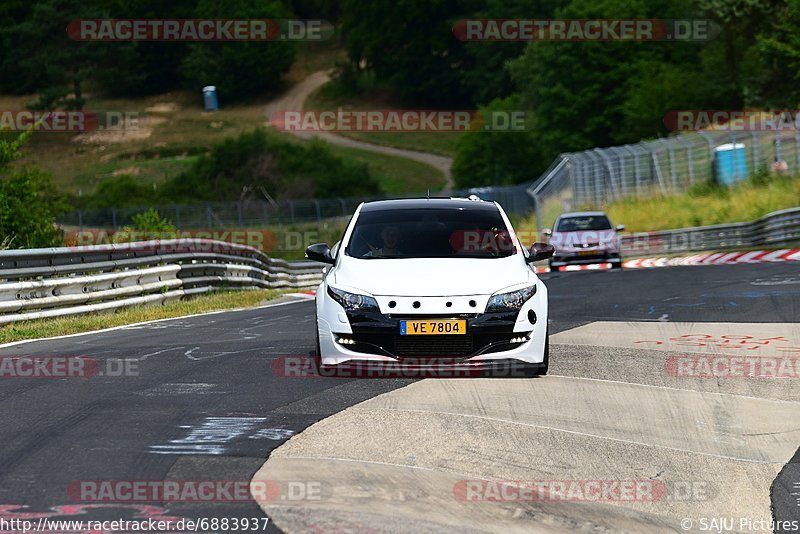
210 98
730 163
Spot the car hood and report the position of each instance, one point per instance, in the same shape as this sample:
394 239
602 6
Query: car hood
431 277
570 240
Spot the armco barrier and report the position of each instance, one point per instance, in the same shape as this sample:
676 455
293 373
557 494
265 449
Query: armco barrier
776 229
55 282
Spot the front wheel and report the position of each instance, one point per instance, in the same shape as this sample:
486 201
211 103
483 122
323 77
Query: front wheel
317 351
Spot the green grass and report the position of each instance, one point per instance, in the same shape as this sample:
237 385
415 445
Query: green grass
220 300
705 204
395 174
702 205
442 143
291 240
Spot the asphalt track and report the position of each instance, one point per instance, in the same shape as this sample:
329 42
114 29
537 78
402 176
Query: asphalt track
205 404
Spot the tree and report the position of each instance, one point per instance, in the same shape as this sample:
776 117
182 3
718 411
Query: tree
410 47
497 158
238 69
45 60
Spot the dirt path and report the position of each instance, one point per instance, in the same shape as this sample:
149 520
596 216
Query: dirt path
295 98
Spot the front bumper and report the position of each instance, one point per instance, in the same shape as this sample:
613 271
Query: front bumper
575 259
490 337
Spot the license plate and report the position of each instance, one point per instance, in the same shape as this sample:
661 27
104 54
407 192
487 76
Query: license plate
586 252
433 327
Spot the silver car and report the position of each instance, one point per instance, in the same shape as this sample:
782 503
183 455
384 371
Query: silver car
584 237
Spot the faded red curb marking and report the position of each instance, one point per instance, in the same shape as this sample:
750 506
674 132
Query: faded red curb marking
708 258
717 258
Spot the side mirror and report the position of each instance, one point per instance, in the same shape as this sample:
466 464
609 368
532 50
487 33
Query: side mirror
541 251
547 232
620 227
320 252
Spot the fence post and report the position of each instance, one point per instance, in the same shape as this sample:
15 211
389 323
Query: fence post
114 219
797 150
597 198
80 220
239 213
756 151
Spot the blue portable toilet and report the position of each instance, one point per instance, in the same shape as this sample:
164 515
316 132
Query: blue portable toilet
210 98
730 163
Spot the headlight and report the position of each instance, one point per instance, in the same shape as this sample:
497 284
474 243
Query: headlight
353 301
511 301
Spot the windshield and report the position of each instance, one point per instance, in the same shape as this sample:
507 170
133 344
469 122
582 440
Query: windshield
579 224
430 233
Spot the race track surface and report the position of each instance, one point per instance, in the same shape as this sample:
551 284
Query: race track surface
201 401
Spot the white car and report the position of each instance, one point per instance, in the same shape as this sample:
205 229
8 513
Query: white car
439 281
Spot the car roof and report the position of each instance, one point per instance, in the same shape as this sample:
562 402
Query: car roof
582 214
427 203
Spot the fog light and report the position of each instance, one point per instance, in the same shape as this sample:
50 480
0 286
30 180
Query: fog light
521 339
345 341
531 316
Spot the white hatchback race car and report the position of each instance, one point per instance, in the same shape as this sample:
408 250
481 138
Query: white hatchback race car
432 282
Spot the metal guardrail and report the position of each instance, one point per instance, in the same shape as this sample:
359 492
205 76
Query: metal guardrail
773 230
56 282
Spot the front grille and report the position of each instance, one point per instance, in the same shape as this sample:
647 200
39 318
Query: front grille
433 345
440 347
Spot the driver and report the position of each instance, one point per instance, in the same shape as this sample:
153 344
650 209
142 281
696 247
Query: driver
390 236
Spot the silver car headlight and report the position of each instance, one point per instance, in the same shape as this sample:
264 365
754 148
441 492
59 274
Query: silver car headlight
353 301
511 301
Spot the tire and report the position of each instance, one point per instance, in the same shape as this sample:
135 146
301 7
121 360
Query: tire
617 265
317 350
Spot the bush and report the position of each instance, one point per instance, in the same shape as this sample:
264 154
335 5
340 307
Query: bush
120 192
147 225
29 202
151 221
256 163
